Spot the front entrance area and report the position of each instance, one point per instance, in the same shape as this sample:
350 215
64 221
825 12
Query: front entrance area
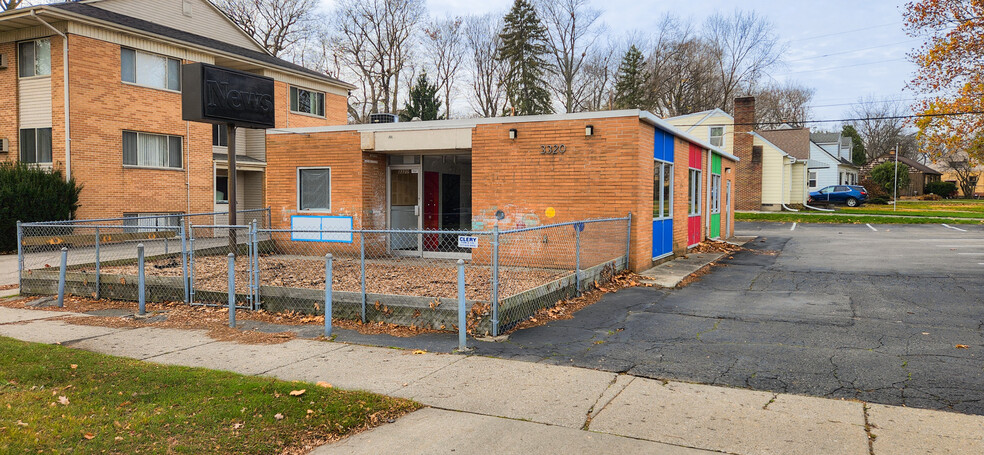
428 193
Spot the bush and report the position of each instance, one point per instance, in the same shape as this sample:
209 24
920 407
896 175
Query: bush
930 197
874 189
878 200
30 194
942 189
884 175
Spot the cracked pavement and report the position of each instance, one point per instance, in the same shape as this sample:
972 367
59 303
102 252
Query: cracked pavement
836 311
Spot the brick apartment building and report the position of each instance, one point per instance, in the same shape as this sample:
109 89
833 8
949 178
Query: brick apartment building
121 133
536 170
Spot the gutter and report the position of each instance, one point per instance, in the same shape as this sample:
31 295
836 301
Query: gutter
68 102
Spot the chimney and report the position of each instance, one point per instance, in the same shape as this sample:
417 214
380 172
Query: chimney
748 181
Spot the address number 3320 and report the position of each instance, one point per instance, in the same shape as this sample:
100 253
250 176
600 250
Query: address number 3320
553 149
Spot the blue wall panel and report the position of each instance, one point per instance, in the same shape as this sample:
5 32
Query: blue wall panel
662 237
663 146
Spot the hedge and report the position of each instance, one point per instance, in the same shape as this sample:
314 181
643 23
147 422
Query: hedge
28 194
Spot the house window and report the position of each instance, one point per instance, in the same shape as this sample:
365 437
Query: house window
307 102
813 179
34 58
151 150
220 136
694 198
314 189
662 190
35 145
715 193
221 188
717 136
756 153
150 70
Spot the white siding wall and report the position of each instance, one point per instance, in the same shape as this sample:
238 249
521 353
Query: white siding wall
771 171
825 177
204 19
35 101
255 141
797 183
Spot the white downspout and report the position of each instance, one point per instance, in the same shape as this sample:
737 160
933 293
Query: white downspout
68 122
782 184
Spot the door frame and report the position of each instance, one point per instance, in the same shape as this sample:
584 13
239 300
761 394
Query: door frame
389 207
727 209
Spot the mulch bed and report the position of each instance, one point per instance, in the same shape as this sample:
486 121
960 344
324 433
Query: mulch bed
410 277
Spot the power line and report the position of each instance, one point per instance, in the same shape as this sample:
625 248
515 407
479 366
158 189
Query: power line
849 52
845 32
866 102
818 70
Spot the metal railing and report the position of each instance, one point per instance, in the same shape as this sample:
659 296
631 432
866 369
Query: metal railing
405 277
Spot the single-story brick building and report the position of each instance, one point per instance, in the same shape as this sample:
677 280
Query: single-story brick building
535 170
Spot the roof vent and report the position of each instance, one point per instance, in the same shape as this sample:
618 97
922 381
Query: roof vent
186 8
383 118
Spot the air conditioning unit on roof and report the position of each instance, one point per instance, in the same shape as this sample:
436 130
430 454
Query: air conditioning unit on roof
383 118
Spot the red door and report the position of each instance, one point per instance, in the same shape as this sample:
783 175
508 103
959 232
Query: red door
696 199
432 209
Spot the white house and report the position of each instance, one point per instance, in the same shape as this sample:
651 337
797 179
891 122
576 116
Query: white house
833 150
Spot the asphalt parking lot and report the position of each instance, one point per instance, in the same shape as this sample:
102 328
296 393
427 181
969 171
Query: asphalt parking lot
889 314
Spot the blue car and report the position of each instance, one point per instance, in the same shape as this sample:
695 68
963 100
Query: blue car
850 195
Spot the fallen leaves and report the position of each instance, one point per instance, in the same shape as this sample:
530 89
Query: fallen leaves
88 435
962 346
297 393
419 351
324 384
73 366
63 400
278 416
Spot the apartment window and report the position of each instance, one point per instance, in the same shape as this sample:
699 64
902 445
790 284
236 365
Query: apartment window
717 136
220 136
221 187
662 190
314 189
151 150
150 70
812 183
34 58
694 198
715 193
35 145
307 102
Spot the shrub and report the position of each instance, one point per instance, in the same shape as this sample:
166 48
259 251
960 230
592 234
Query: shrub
930 197
884 175
942 189
30 194
874 189
879 200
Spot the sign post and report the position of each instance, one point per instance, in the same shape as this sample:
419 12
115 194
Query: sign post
237 99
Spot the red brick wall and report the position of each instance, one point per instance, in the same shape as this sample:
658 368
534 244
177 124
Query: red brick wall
748 183
8 102
336 110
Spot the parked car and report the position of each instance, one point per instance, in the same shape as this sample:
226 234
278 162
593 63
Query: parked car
851 195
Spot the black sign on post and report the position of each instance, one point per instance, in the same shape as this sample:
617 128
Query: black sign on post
211 94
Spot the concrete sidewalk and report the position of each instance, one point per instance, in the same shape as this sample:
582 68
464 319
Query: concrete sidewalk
478 404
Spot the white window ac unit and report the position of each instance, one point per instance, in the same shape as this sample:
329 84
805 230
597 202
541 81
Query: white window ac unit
3 61
4 145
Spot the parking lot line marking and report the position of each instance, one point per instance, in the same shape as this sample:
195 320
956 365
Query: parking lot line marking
872 228
970 254
955 229
793 228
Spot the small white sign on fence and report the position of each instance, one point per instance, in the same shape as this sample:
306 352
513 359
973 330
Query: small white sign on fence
467 241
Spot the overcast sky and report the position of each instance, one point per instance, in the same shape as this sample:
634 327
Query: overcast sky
843 49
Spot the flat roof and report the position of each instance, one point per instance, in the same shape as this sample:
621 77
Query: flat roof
644 116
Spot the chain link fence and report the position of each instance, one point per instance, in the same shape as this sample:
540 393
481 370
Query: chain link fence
378 276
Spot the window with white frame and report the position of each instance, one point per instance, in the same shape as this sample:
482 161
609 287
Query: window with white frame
150 70
717 136
307 102
34 58
35 145
314 189
662 190
695 191
151 150
812 183
715 193
220 136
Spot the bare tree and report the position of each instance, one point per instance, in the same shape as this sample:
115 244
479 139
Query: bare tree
373 42
599 77
784 103
276 24
445 48
572 30
744 45
487 95
7 5
878 123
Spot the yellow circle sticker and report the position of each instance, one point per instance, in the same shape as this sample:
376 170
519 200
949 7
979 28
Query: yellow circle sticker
551 212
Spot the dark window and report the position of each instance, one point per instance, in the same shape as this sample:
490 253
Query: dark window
220 136
307 102
314 189
34 58
222 188
841 189
756 153
35 145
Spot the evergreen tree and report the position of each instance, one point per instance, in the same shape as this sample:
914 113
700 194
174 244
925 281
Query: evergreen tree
423 102
858 153
630 81
524 46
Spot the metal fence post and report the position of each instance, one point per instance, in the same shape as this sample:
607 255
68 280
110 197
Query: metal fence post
362 262
328 284
61 277
98 272
191 263
255 265
495 280
577 257
141 283
628 240
184 261
462 321
20 255
232 290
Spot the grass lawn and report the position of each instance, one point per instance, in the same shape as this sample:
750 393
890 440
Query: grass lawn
953 208
58 400
818 217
